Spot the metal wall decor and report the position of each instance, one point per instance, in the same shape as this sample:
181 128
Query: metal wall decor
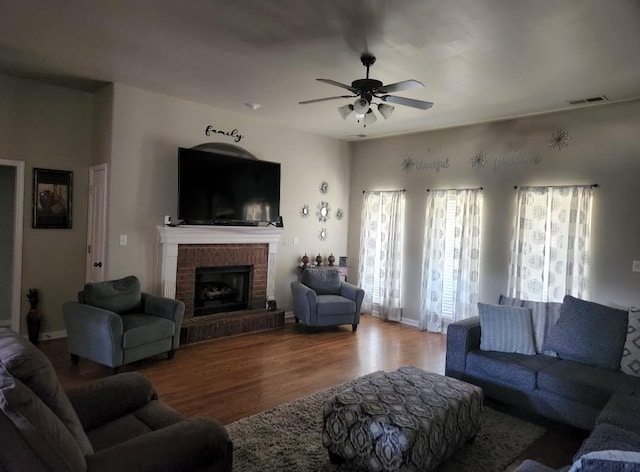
339 214
324 187
322 234
304 211
479 160
323 212
559 139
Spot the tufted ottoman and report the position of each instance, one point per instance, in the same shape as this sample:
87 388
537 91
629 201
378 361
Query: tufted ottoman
405 420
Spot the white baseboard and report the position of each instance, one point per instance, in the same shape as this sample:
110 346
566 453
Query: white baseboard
53 335
410 322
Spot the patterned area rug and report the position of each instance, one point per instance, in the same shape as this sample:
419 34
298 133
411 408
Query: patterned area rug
289 438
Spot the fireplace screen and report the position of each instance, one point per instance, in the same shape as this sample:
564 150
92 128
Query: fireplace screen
222 289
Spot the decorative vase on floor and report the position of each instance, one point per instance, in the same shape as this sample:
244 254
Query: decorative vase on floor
33 317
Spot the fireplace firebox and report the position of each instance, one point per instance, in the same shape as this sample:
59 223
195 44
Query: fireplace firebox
221 289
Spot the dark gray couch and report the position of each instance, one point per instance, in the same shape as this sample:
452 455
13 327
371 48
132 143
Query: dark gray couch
558 385
114 424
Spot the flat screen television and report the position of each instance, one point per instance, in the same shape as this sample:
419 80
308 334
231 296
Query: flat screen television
219 189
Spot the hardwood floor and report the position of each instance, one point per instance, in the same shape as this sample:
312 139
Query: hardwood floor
230 378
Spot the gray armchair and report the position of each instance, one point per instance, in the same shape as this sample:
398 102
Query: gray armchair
320 298
117 423
113 323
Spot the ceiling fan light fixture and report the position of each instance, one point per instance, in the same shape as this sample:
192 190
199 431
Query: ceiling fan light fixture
370 118
345 110
361 106
385 110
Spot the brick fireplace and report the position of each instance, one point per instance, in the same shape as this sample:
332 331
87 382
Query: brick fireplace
188 248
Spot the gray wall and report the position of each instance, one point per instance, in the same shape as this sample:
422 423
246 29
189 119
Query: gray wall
49 127
604 148
7 202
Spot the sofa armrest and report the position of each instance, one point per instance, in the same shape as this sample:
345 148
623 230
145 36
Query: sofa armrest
304 302
104 400
93 333
353 293
195 444
462 337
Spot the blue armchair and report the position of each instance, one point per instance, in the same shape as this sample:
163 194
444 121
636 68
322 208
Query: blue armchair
113 323
320 298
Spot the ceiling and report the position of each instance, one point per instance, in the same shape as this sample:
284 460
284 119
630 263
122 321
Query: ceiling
480 60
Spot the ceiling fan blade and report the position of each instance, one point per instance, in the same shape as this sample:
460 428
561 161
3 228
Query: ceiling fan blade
338 84
409 102
399 86
316 100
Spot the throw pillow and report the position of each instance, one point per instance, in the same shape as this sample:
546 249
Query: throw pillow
630 362
609 460
506 329
120 296
588 332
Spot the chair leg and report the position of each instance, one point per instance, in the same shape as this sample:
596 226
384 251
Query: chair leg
297 320
354 326
75 359
171 354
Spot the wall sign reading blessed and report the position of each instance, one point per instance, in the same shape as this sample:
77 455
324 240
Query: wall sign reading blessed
234 133
409 165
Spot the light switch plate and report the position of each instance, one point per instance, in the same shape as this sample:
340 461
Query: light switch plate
123 240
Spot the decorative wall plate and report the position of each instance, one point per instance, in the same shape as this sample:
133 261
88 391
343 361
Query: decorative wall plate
339 213
324 187
323 212
304 211
322 234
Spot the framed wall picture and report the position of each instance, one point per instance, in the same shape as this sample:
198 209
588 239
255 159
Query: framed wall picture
52 198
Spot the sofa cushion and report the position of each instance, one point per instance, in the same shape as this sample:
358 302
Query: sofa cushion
505 329
622 410
630 361
586 384
322 281
120 296
140 329
544 316
514 370
606 437
335 305
589 332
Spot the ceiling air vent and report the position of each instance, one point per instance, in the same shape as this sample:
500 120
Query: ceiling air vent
584 101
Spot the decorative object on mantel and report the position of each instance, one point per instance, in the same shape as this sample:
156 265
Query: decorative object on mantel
304 211
318 260
324 187
343 261
323 234
305 260
272 305
339 214
33 316
559 139
331 259
479 160
323 212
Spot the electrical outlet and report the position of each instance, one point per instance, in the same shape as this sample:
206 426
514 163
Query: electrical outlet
123 240
635 267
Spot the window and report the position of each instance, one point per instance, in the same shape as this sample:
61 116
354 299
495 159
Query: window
550 243
451 257
381 248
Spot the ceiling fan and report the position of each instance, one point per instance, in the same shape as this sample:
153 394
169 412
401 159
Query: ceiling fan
367 89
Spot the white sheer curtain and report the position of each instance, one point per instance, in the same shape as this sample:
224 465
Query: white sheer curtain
550 243
451 257
381 245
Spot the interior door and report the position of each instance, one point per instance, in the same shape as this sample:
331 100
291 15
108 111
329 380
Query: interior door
97 230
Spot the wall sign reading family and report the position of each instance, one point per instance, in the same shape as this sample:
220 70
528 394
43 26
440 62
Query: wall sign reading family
52 198
234 133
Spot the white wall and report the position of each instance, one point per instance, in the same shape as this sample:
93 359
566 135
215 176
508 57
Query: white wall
148 128
604 148
49 127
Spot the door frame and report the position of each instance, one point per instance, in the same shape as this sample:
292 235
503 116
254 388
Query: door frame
18 218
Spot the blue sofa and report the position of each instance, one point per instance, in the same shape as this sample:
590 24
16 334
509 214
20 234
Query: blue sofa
573 376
